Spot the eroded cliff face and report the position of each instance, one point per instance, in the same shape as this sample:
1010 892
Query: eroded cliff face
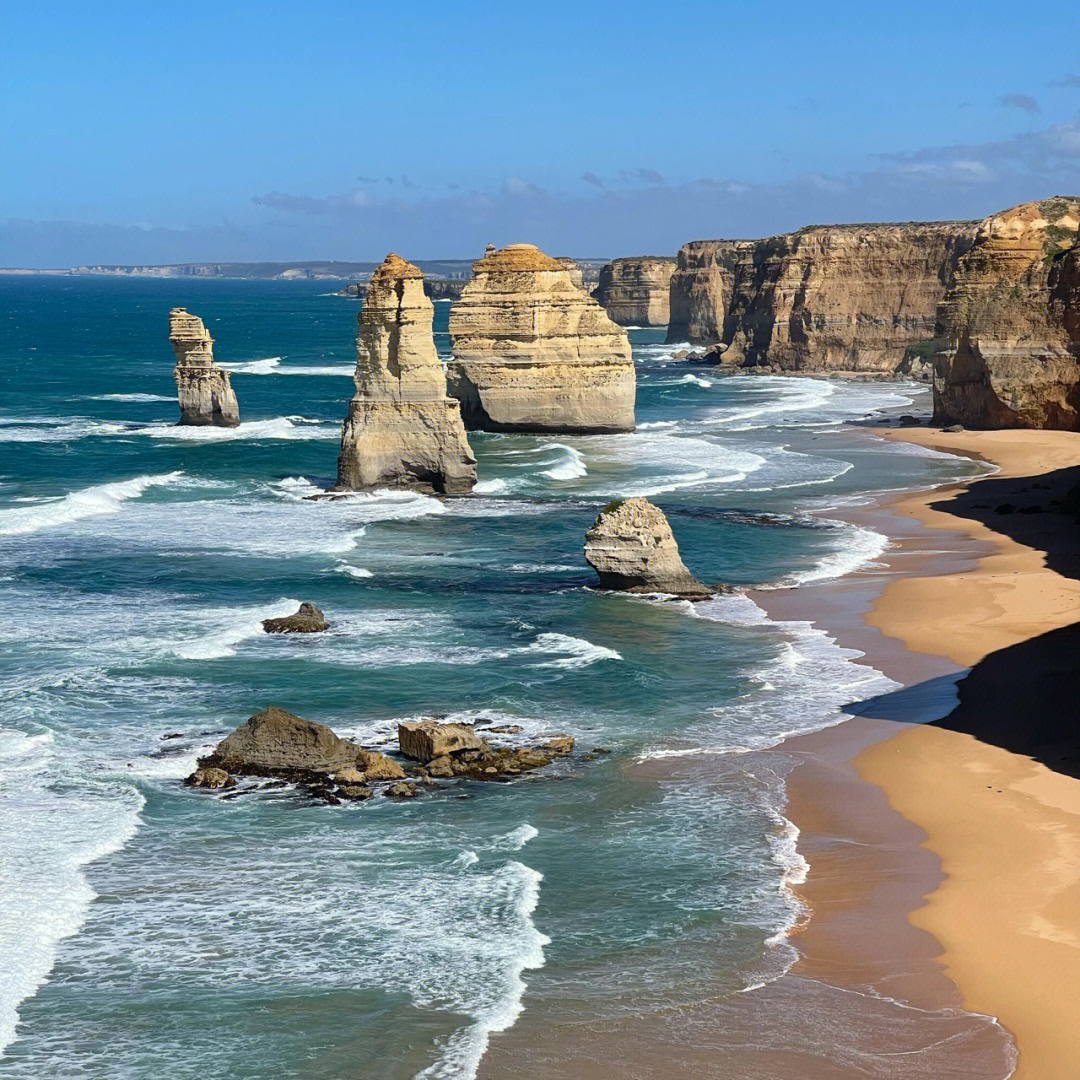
1011 323
532 352
827 298
205 395
636 291
402 428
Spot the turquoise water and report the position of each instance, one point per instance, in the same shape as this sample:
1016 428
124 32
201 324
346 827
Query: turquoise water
149 931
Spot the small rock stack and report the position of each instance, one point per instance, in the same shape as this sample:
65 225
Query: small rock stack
206 398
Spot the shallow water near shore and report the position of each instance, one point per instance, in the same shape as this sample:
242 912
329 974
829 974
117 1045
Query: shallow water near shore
148 930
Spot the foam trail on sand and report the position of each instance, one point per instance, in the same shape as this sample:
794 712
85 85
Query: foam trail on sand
89 502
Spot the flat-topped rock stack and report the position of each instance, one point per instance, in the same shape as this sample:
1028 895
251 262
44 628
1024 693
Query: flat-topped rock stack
206 397
1011 323
533 352
636 291
632 548
402 428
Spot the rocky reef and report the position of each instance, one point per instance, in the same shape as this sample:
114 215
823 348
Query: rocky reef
1011 323
860 298
636 291
402 429
277 746
307 619
631 548
533 352
206 398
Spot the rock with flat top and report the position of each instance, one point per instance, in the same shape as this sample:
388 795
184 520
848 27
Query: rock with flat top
533 352
206 397
376 766
402 429
307 619
423 740
210 778
631 548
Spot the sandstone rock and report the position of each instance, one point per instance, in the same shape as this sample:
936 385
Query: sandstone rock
354 792
402 790
1011 323
206 397
440 767
559 744
631 547
826 298
212 778
402 429
376 766
307 619
349 775
276 743
532 352
424 740
636 291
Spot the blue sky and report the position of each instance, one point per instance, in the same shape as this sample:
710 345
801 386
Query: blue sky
141 132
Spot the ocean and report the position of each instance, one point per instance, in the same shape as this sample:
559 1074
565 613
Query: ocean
151 931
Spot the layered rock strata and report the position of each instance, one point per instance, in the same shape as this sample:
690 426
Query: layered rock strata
402 429
631 548
1011 323
636 291
532 352
860 298
206 397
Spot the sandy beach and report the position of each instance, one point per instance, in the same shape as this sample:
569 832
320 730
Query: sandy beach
971 581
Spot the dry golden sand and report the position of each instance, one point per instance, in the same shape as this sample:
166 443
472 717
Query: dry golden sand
1006 829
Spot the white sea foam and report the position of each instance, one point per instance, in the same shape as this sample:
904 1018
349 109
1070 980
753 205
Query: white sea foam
465 859
131 397
569 464
517 838
490 487
53 825
353 571
230 627
296 487
856 548
272 365
266 366
579 652
89 502
279 427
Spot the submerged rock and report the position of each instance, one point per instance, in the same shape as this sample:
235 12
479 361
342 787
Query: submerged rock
533 352
307 619
206 397
402 429
631 548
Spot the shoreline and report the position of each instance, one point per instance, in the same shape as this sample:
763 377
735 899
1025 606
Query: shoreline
894 875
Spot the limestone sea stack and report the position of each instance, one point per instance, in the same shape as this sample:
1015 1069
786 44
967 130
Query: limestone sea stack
206 398
860 298
402 429
631 548
532 352
636 292
1011 323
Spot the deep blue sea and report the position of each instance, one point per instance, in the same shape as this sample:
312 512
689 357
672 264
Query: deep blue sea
151 932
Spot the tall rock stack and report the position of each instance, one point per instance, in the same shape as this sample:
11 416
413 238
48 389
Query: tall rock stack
206 398
1011 323
402 429
532 352
635 291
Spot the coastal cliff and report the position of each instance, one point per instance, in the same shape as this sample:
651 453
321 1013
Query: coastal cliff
205 395
1011 323
826 298
402 429
533 352
635 291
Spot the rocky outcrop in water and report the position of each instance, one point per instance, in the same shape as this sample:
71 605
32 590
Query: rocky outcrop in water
636 291
532 352
631 548
206 398
860 298
307 619
1011 323
402 429
447 750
